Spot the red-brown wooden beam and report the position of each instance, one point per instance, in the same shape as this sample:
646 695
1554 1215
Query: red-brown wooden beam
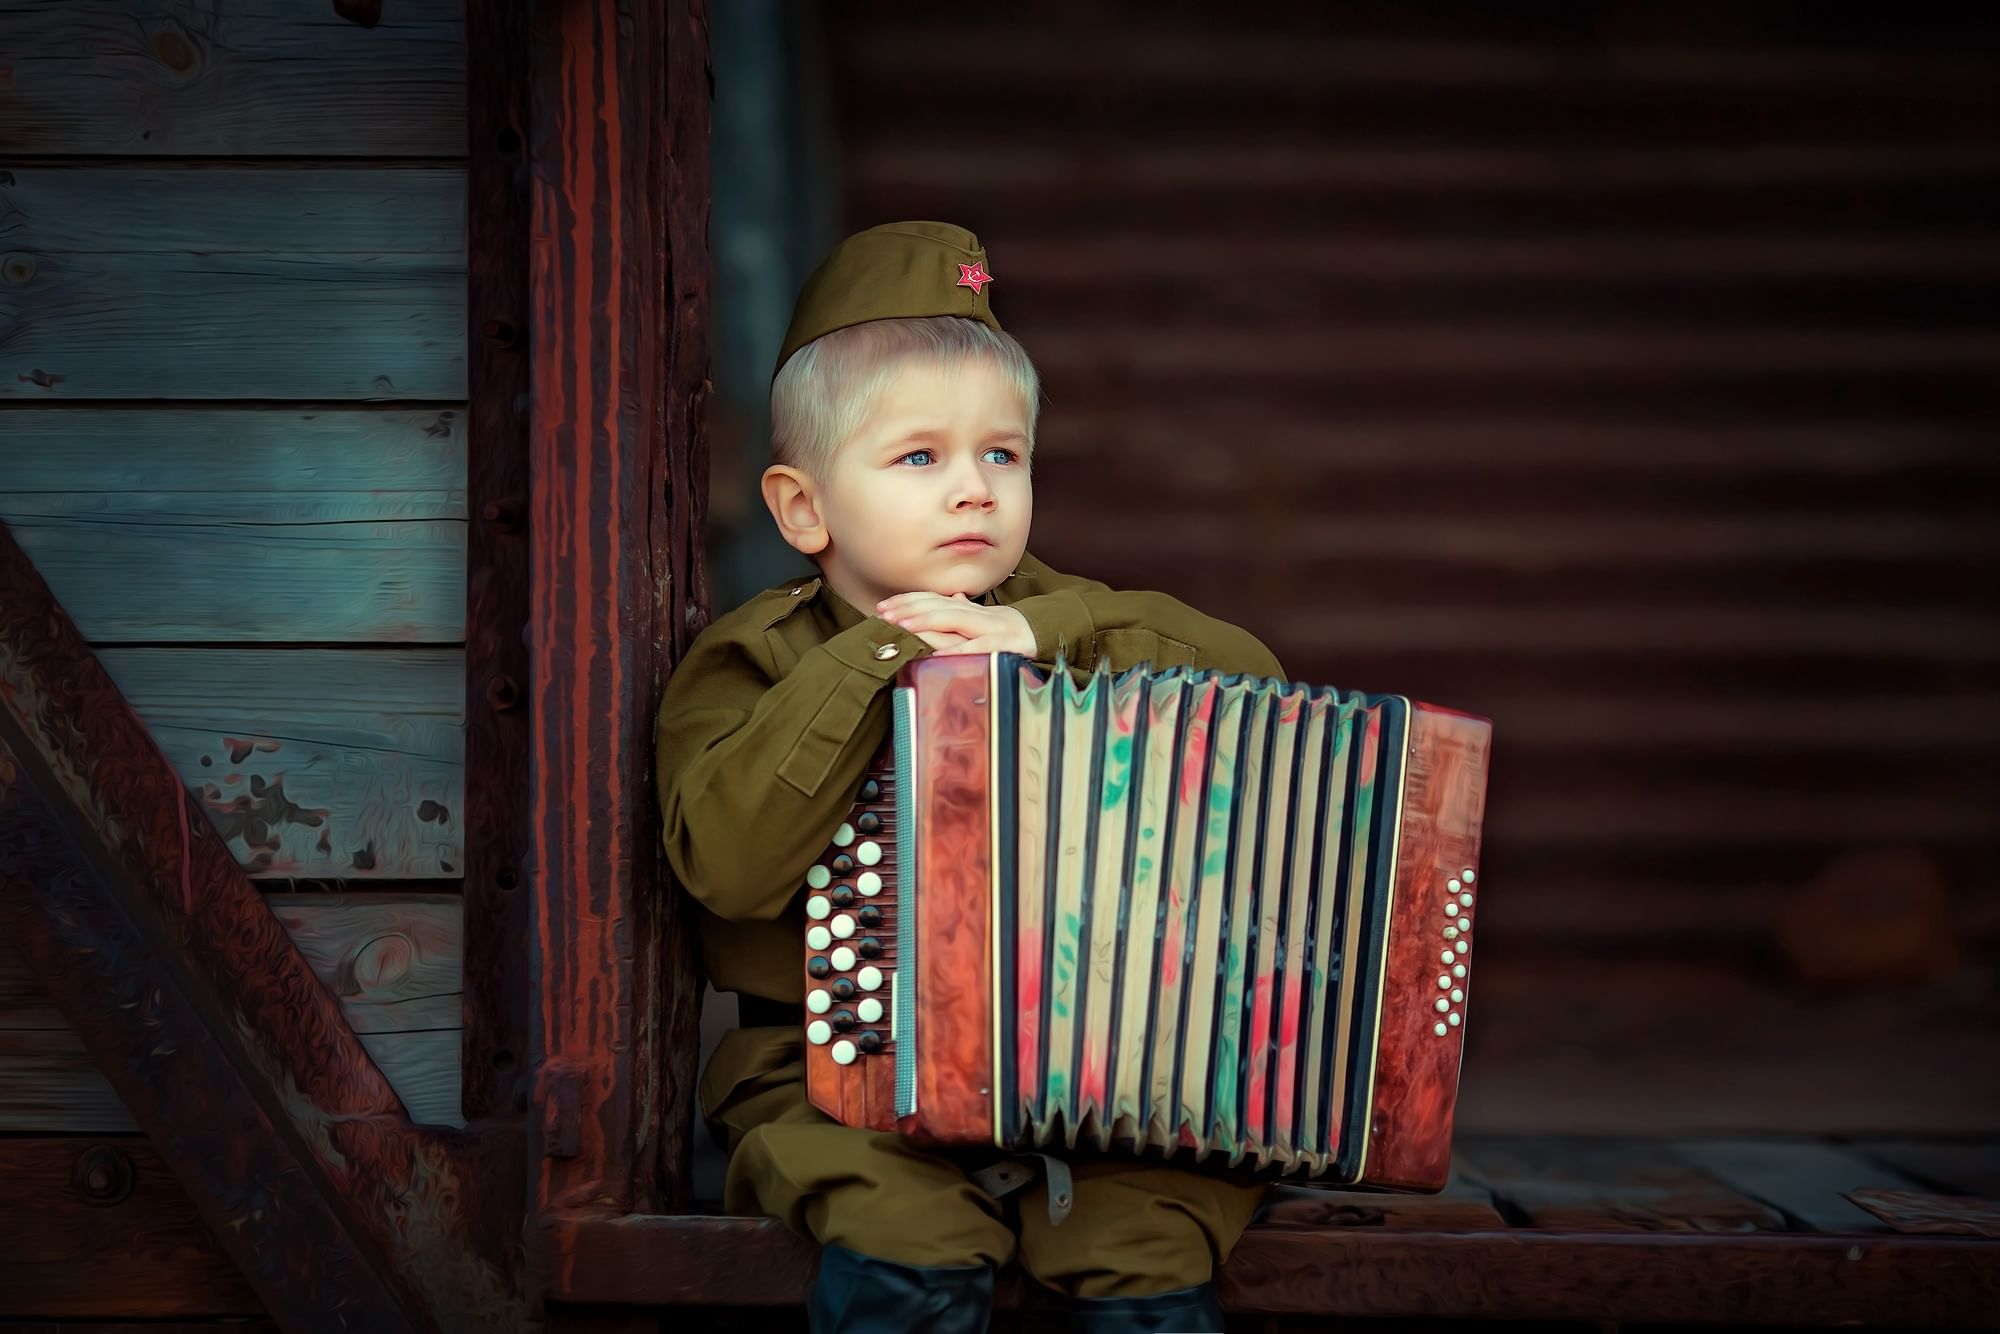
494 1055
207 1021
1664 1277
619 182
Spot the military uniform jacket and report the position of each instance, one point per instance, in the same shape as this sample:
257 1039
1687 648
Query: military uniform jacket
769 723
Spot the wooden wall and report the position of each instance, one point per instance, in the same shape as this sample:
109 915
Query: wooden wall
233 390
1626 375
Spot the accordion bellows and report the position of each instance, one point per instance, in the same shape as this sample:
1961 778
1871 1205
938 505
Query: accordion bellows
1175 914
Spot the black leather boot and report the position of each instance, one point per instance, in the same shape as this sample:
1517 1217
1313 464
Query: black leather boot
858 1294
1183 1311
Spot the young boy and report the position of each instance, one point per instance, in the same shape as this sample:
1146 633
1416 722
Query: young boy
903 423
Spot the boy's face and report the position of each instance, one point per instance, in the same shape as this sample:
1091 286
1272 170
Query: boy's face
942 454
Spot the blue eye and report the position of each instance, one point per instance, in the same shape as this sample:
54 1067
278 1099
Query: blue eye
1007 455
912 454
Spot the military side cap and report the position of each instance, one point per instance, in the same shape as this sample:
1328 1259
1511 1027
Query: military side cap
899 270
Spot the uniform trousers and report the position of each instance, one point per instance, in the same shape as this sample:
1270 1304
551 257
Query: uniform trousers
1134 1229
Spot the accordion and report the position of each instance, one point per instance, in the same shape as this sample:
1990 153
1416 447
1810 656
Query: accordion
1178 914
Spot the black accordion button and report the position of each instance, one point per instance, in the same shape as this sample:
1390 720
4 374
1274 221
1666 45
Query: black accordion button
843 1020
869 947
871 1042
843 896
871 916
869 823
843 864
871 791
843 988
818 965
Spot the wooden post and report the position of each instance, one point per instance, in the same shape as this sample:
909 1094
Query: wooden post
618 305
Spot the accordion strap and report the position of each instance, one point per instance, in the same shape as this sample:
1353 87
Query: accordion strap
1010 1174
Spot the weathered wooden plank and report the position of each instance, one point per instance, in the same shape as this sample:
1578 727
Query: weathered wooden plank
135 568
295 214
1924 1214
412 458
99 1228
1807 1180
119 325
1464 1205
394 961
319 763
52 1084
1964 1167
1574 1184
252 77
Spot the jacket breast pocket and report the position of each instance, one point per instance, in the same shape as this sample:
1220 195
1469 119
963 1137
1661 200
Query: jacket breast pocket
1128 647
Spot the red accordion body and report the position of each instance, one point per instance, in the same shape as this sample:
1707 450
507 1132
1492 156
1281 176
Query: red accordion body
1170 913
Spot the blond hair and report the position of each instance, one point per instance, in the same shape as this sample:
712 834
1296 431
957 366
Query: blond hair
825 390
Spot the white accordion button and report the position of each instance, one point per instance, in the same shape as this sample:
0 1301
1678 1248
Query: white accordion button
1443 1005
1451 933
1453 1016
1444 981
819 1032
1448 956
1453 886
1464 946
870 1010
843 836
1440 1030
818 877
1450 907
843 927
819 1001
1465 924
843 958
1457 995
844 1052
1465 899
1458 970
868 853
1466 875
817 908
868 978
818 937
869 883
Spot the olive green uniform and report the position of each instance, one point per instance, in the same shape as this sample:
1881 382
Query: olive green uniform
763 736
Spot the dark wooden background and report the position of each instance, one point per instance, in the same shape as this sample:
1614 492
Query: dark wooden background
1626 375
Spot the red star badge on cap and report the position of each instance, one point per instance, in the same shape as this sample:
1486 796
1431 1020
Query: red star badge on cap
972 275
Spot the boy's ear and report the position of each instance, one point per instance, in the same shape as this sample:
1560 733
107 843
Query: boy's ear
788 494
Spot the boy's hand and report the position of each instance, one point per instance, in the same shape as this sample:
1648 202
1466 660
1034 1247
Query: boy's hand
959 624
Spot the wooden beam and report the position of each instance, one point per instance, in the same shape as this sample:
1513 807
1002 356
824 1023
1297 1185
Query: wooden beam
619 178
1368 1271
206 1017
495 1053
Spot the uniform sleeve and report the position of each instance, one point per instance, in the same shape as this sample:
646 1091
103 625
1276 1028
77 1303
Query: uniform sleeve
1127 627
756 773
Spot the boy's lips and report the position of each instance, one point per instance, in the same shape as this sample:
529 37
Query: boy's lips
970 539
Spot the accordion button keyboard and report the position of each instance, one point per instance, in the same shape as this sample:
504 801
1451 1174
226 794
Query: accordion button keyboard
843 896
869 978
818 877
869 883
818 1001
843 927
871 790
843 1020
871 1043
843 1052
843 836
819 966
870 1011
818 937
843 988
819 1032
869 823
843 958
843 864
817 908
871 917
870 947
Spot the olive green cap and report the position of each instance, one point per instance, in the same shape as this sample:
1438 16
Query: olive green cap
899 270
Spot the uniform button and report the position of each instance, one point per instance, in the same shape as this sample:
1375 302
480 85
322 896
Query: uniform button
800 589
886 651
